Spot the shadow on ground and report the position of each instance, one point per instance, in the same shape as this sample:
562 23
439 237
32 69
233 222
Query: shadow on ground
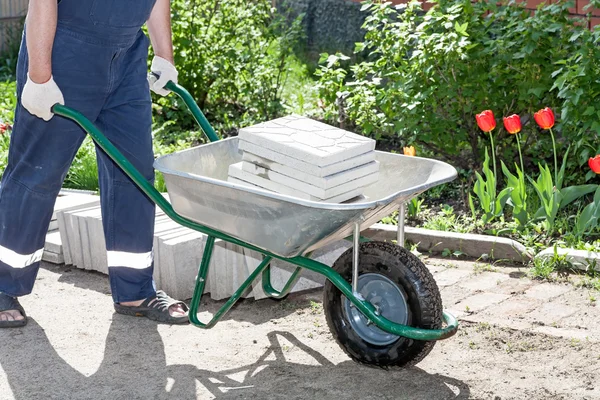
134 367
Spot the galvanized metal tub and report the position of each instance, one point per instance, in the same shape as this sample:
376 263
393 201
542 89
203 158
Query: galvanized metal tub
196 180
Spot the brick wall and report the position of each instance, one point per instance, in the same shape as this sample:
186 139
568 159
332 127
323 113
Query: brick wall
532 4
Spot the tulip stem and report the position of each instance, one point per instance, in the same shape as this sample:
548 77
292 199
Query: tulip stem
493 159
555 160
520 154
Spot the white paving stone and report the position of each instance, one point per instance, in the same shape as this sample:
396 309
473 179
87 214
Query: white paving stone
305 139
53 243
237 175
581 259
251 162
309 188
65 222
282 271
250 149
53 258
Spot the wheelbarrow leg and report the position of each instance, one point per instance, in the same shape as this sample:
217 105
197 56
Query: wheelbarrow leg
400 233
274 293
201 282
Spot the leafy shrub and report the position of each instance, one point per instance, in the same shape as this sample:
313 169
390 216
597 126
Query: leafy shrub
232 57
425 75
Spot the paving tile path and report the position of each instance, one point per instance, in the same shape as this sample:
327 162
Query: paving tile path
519 339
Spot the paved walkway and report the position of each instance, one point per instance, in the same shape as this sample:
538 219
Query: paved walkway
75 347
506 297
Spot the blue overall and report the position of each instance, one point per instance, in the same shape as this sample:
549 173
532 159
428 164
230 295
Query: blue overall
99 61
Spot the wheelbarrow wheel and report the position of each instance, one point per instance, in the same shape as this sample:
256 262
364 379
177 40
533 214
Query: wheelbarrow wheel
399 285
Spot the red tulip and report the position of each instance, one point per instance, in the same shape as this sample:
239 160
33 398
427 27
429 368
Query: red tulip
486 121
594 164
3 128
544 118
512 124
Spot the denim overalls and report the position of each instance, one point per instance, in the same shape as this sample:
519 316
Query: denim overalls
99 61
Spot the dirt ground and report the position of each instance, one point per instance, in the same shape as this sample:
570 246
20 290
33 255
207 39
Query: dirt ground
75 347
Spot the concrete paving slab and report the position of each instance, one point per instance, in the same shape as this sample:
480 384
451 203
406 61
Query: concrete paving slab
551 312
260 175
484 281
547 291
480 301
53 258
282 189
53 243
249 148
305 139
251 162
450 276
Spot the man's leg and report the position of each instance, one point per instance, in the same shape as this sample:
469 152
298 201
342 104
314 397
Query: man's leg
39 157
127 214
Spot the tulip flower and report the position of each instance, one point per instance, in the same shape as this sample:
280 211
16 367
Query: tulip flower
545 119
594 163
487 123
3 128
410 151
512 124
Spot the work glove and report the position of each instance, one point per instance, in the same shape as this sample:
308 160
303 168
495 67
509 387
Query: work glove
165 71
38 98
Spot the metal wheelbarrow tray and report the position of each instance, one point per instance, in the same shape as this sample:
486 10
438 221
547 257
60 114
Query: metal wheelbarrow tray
381 303
287 226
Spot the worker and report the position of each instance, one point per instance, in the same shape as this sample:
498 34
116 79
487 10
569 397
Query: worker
90 55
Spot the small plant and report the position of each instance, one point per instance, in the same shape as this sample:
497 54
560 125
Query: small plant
414 207
589 219
490 202
543 268
479 268
315 308
456 253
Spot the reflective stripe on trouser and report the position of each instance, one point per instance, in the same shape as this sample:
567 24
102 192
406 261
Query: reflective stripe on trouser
103 75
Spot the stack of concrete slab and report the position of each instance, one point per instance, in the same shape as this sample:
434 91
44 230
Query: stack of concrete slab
307 159
177 255
53 249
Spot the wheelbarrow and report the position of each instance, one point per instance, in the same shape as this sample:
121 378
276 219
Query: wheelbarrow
381 303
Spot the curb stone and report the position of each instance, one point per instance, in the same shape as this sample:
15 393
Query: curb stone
580 259
472 245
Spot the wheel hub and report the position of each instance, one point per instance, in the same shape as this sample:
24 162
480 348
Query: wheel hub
388 300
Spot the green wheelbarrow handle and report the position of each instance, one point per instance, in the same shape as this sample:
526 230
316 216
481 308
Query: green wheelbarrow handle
194 109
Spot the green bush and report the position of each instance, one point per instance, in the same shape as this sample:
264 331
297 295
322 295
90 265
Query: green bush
426 75
232 56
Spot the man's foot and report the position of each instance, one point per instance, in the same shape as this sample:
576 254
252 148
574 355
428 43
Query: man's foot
159 308
176 310
12 314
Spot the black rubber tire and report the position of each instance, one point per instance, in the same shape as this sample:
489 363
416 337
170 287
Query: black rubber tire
420 291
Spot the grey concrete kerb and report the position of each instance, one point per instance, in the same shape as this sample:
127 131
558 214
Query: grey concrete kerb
472 245
580 259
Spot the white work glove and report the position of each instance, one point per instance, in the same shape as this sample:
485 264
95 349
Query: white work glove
165 71
38 98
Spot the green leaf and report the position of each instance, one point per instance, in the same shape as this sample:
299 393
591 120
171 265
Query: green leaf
572 193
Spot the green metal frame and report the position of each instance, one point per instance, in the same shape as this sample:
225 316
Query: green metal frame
264 268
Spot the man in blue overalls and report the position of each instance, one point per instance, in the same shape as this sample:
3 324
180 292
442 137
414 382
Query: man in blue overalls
91 55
